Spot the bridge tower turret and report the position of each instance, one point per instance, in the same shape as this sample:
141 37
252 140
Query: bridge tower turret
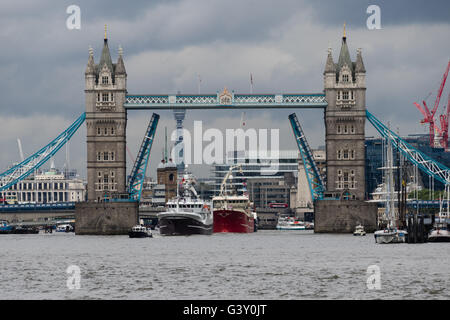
105 88
345 92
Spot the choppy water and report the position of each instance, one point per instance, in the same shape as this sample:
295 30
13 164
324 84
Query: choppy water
264 265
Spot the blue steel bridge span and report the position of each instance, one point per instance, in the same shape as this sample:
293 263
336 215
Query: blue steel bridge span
226 100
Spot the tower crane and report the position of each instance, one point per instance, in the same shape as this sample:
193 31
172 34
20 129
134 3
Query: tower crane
429 116
444 126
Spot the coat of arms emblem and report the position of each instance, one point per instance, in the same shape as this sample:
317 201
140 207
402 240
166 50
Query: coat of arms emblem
225 97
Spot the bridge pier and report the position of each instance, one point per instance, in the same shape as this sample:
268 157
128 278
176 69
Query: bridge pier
342 216
105 218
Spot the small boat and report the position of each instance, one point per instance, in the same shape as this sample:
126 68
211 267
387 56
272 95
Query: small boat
359 231
290 223
5 228
64 228
139 231
309 225
440 232
390 235
25 230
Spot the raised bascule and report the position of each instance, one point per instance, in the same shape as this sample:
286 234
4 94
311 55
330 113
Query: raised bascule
112 206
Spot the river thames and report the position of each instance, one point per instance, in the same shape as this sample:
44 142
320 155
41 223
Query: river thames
269 264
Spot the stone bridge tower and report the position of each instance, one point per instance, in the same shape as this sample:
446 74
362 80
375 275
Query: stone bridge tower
106 118
345 91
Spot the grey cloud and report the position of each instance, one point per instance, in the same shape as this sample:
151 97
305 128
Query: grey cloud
396 12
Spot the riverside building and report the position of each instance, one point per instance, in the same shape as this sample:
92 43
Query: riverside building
51 186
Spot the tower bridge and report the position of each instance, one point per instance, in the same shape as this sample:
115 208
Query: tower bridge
343 101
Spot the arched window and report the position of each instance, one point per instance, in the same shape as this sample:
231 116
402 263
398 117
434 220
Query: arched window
345 154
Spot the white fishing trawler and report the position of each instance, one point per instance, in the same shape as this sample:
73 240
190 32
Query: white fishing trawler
187 213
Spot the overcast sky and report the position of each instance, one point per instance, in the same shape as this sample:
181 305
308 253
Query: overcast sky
167 44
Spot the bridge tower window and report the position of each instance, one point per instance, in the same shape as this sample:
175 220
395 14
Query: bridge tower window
344 95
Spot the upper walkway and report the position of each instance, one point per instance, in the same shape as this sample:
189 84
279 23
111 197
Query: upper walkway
226 100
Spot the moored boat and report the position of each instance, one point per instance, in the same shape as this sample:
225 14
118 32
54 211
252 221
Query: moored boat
390 235
359 230
290 223
440 232
139 231
5 228
65 228
25 230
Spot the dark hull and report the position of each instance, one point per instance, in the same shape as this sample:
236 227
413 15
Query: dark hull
132 234
25 231
179 226
439 239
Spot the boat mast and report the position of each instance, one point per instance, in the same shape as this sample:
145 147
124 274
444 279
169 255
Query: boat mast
390 186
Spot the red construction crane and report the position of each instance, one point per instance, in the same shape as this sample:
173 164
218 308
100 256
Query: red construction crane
429 116
444 126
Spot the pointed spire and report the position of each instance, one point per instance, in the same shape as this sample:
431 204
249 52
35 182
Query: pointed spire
344 56
330 66
120 66
106 56
106 38
359 62
90 68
